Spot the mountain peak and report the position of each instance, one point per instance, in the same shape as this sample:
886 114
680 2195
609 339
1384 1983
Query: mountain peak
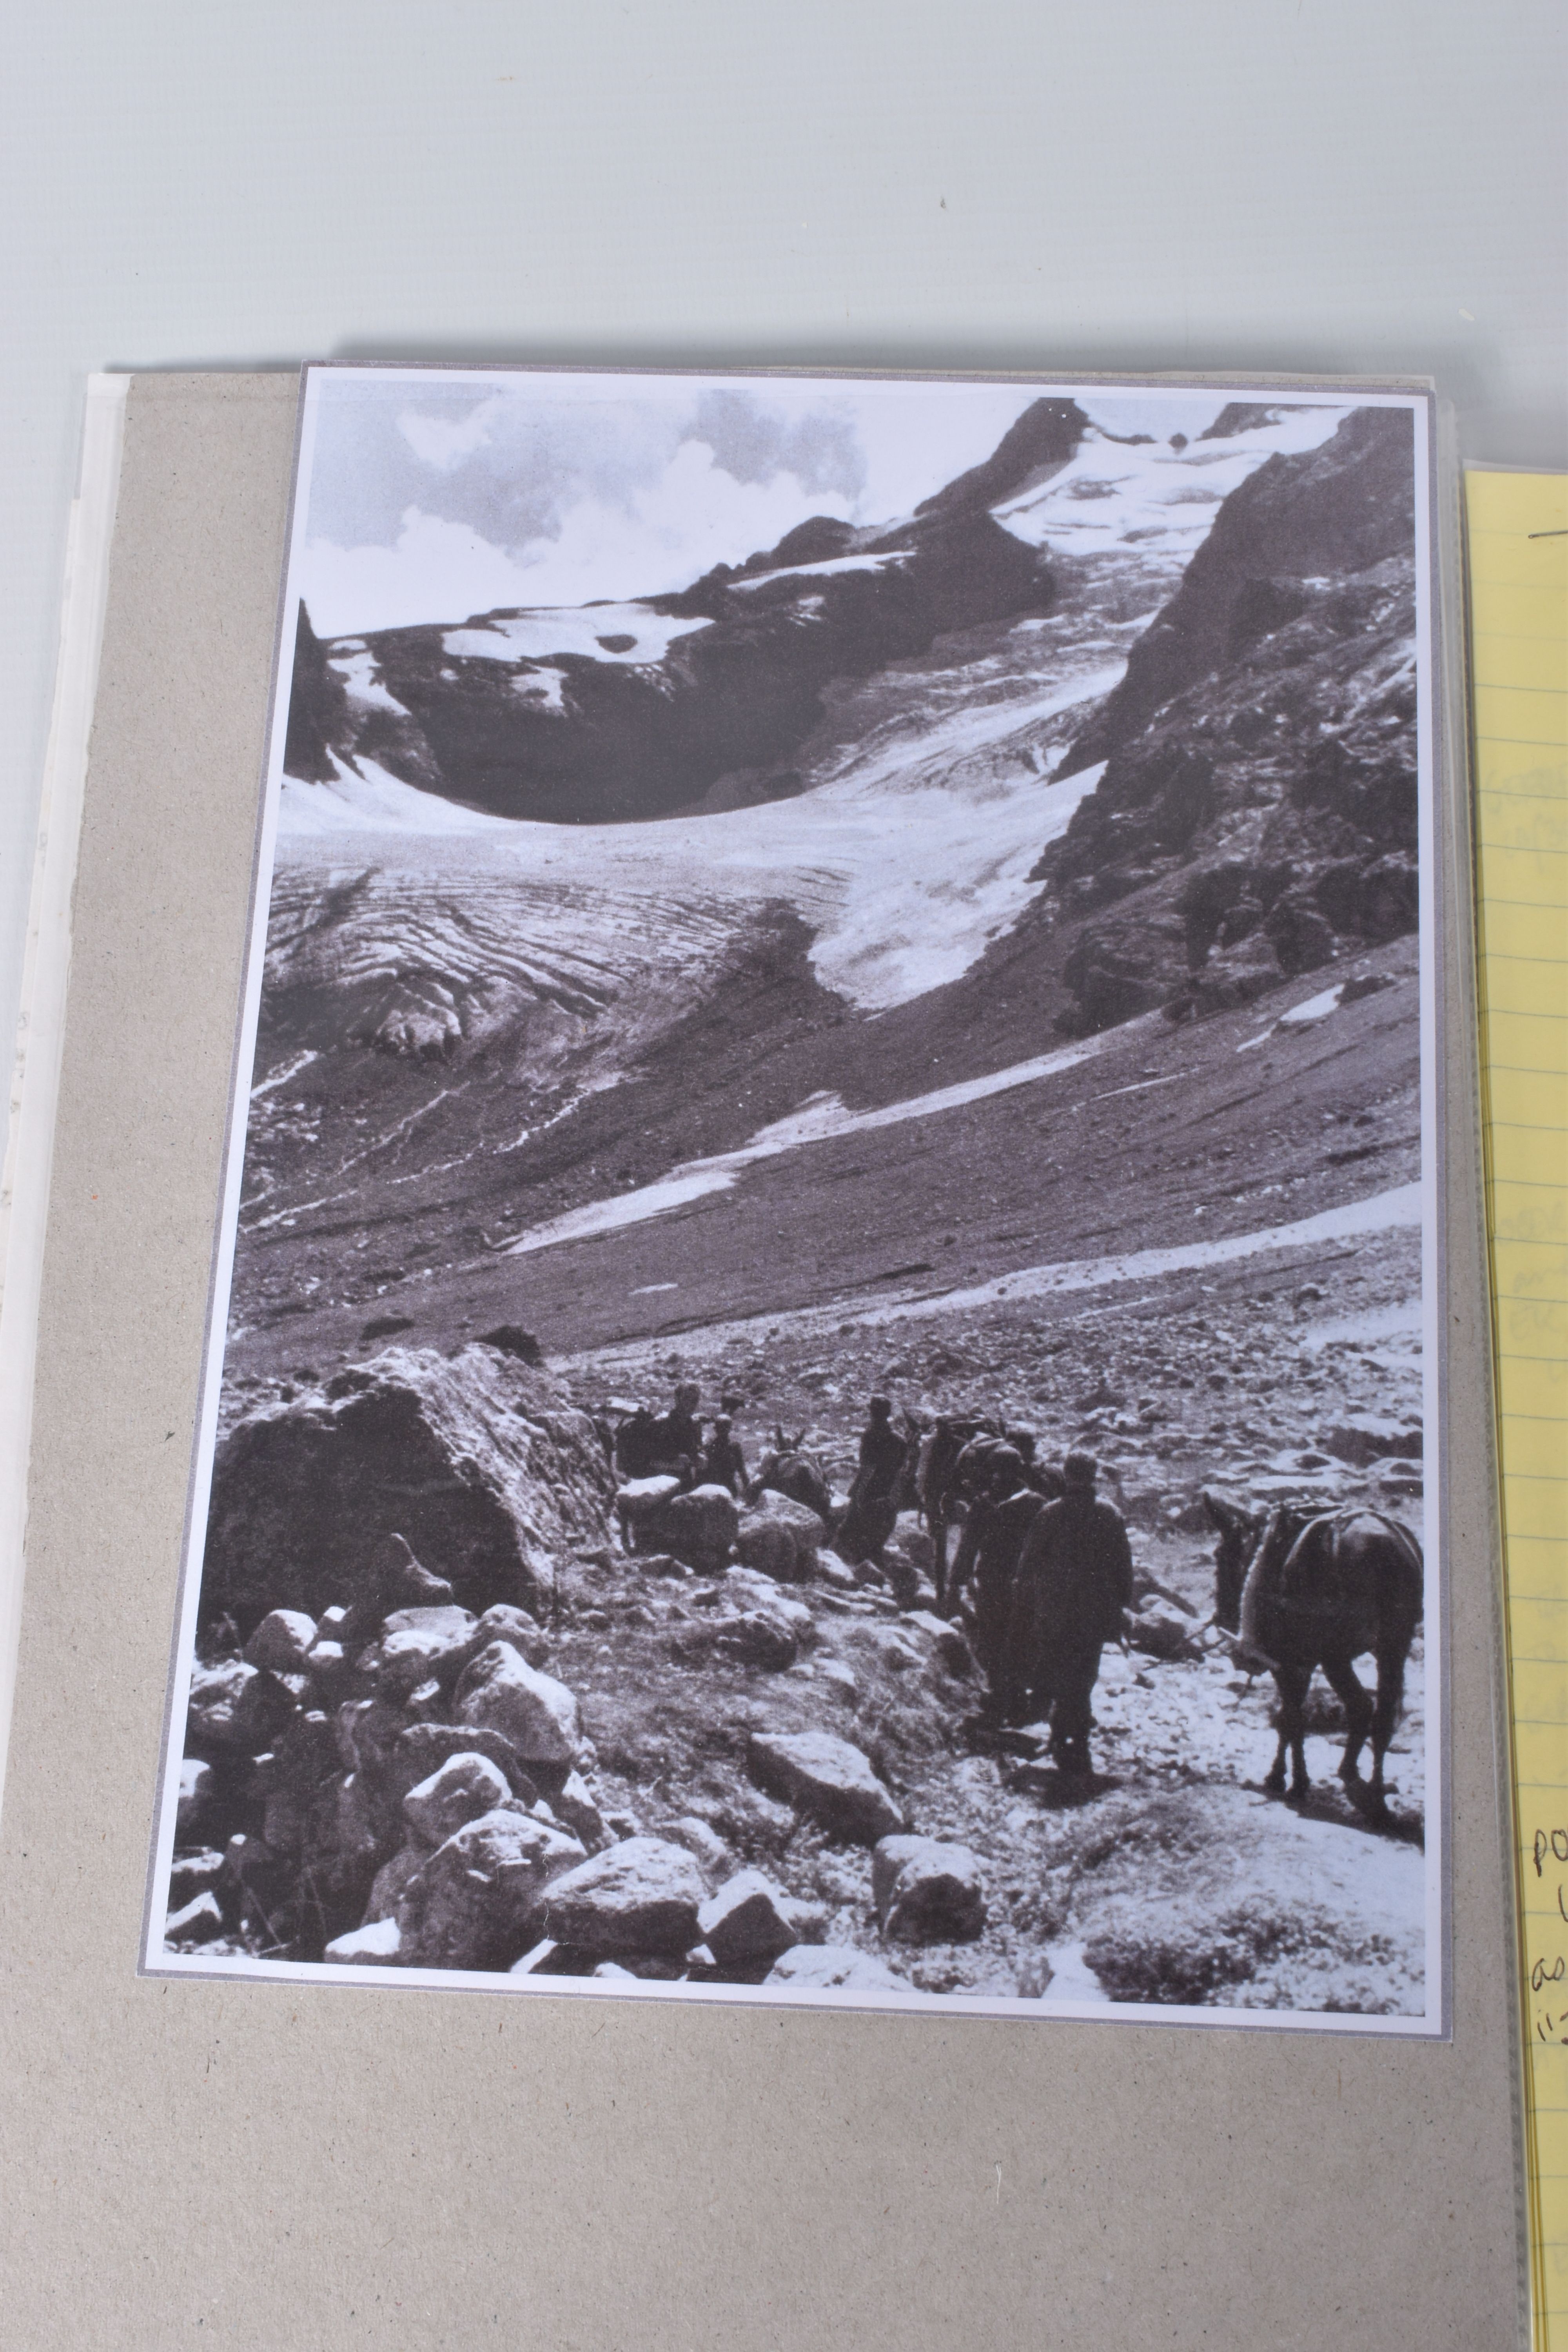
1045 434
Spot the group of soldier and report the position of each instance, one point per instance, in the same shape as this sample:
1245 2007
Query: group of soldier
1042 1574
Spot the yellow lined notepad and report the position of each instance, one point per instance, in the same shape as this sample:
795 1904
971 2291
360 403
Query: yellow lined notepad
1517 527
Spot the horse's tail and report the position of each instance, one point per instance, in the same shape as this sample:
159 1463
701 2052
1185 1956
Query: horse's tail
1248 1647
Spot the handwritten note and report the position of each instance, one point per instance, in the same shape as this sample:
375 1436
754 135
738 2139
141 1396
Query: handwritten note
1519 601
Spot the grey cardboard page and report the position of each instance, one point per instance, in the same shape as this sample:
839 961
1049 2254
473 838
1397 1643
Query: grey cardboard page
270 2164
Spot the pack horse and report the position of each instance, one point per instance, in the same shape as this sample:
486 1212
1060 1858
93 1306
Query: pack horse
1323 1588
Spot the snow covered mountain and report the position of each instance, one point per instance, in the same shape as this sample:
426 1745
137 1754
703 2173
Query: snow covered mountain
1104 727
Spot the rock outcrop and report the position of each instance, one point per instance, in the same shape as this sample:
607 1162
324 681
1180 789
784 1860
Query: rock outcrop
478 1462
1258 814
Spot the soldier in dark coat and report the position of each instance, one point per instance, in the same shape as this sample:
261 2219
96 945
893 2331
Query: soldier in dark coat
872 1514
677 1446
1074 1580
724 1464
993 1539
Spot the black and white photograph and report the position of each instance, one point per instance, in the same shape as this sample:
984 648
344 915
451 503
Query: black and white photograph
823 1374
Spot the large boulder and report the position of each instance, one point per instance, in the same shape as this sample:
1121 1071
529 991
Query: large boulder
419 1643
700 1528
748 1920
417 1752
234 1704
458 1790
780 1538
926 1892
642 1895
501 1692
284 1641
833 1968
1162 1630
827 1779
473 1903
479 1460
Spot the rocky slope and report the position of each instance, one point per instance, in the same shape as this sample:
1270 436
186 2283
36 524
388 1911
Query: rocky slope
1257 816
627 1768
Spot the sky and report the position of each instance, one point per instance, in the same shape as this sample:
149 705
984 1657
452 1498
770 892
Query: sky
436 495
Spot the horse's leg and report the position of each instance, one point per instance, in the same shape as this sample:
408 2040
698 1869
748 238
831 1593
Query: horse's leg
1347 1687
938 1519
1292 1682
1387 1712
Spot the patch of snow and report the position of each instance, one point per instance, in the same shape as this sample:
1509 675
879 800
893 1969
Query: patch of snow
1314 1009
357 667
290 1070
573 629
1406 1318
1381 1212
541 686
821 1119
366 799
1159 501
830 565
1071 1978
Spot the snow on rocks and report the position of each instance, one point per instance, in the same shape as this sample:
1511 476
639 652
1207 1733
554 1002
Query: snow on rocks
642 1895
827 1778
926 1892
197 1923
198 1782
833 1968
501 1692
372 1945
283 1640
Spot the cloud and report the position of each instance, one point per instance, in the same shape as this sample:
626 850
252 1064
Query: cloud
437 570
694 516
442 441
